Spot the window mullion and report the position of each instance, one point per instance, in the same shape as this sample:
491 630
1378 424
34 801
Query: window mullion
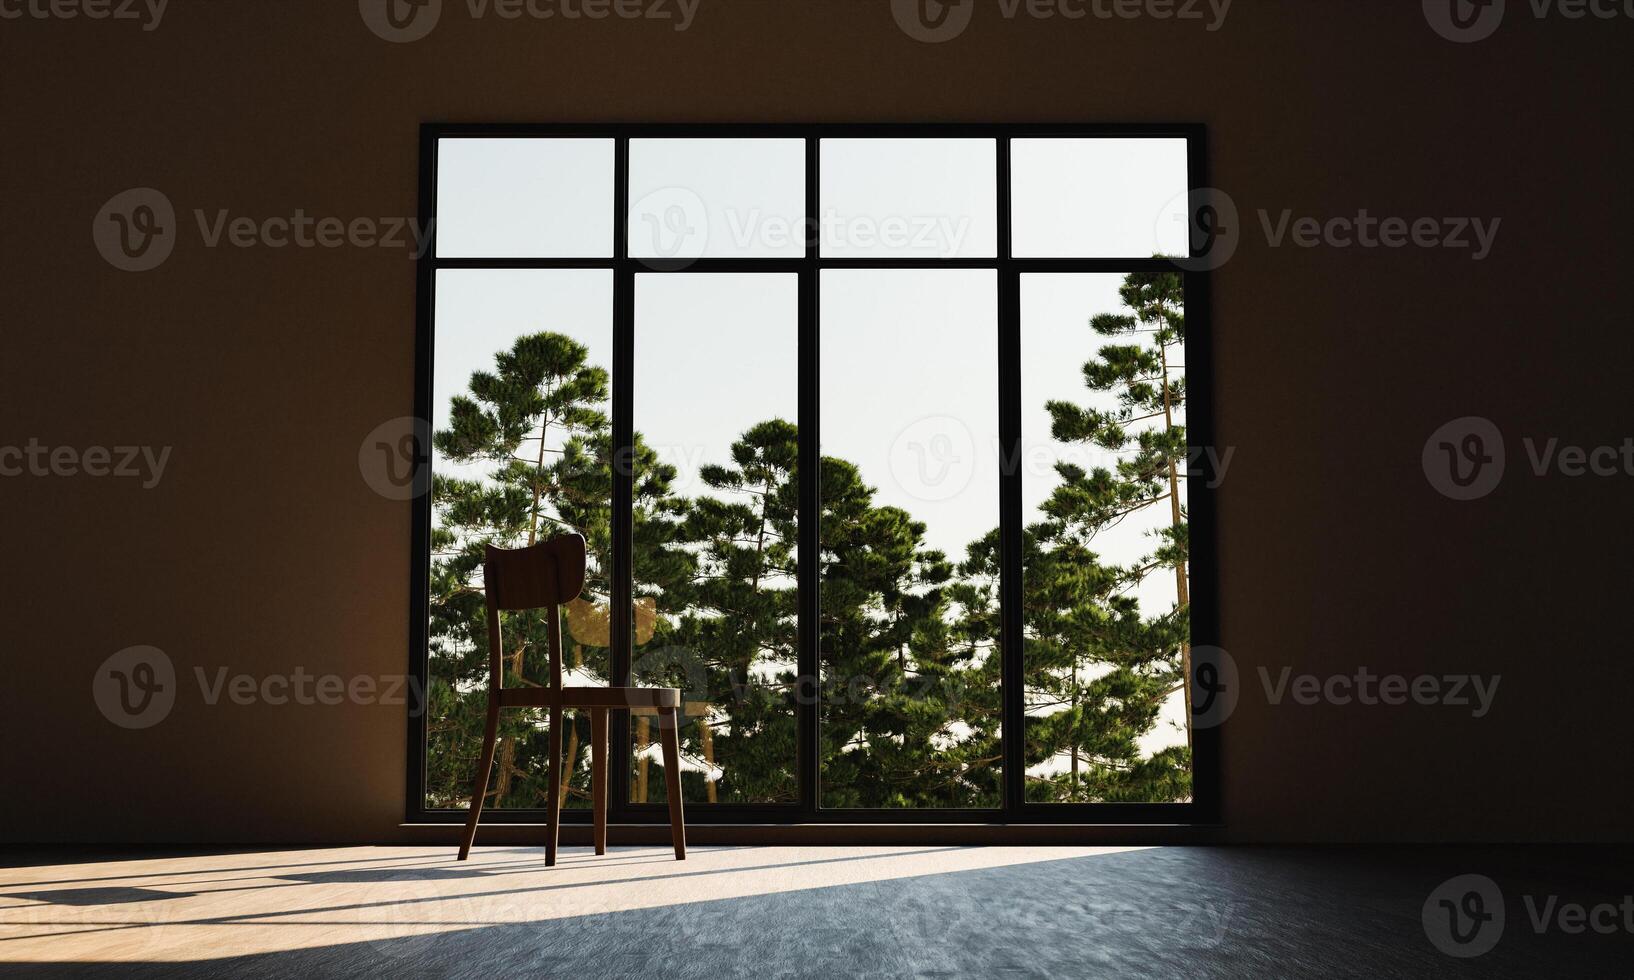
623 473
1011 692
810 500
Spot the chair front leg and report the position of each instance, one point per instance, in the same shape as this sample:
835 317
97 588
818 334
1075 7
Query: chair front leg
598 774
479 785
670 735
553 802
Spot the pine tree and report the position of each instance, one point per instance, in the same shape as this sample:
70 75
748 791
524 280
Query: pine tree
900 726
1098 667
734 624
537 421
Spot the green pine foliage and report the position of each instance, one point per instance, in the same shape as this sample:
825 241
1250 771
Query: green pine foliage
909 685
727 636
1099 668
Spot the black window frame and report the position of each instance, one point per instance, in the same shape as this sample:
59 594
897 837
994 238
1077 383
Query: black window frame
1202 809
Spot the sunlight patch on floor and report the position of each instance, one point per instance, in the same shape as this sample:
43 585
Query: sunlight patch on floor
206 907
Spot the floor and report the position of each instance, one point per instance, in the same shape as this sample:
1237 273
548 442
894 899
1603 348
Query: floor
929 911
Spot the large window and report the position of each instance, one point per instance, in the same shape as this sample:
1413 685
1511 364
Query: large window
879 436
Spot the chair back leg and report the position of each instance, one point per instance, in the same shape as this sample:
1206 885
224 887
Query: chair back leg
553 774
479 784
670 735
598 774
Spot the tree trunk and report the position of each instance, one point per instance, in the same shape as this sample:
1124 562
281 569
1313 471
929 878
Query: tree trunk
708 738
538 473
1074 790
760 541
507 765
507 744
643 738
567 762
1182 592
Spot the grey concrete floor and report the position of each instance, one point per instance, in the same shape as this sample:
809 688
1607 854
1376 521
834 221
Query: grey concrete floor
824 912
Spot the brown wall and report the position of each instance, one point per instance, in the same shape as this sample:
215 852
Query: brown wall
263 549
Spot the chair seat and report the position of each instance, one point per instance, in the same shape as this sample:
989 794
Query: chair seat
590 697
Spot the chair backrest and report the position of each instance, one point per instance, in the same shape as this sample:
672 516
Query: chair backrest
544 576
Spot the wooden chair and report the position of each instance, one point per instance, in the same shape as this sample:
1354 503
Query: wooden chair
545 576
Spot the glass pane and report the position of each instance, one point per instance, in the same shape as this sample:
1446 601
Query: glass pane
1105 617
716 386
909 198
1098 198
909 687
525 198
717 198
521 452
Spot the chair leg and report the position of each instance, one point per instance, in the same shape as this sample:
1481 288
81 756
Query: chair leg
479 785
598 774
553 802
670 734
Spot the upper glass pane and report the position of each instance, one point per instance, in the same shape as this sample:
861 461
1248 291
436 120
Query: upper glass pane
525 198
717 198
1098 198
909 198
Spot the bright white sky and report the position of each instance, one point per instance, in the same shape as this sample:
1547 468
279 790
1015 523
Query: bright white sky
908 363
714 354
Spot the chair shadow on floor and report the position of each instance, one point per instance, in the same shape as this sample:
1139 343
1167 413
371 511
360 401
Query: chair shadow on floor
28 859
89 897
364 875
